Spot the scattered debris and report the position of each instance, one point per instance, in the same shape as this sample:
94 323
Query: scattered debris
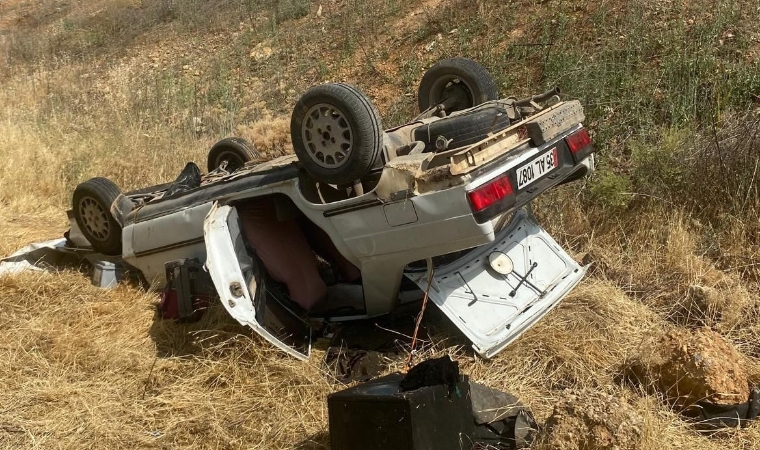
376 415
36 256
434 406
709 416
188 292
590 420
501 421
432 372
58 254
362 351
348 365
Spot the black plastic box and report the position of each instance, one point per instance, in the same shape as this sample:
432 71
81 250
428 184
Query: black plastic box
376 416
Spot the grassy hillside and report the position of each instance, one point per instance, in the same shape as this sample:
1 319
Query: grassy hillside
133 89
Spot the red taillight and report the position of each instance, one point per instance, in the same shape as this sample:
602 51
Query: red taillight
578 140
490 193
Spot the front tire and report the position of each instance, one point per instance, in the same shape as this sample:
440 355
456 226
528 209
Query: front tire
236 151
336 133
91 203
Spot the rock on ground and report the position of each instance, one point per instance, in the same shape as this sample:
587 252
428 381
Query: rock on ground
688 366
589 420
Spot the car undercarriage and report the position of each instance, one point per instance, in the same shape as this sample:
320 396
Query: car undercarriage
439 201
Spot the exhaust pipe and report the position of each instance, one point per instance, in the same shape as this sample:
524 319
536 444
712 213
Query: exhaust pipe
539 98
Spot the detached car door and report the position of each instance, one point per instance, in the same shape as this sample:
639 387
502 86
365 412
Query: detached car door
242 286
497 291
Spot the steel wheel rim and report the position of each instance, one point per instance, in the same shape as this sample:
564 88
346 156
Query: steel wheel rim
450 84
234 161
94 219
327 136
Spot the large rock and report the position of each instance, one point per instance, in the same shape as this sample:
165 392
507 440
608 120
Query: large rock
589 420
689 366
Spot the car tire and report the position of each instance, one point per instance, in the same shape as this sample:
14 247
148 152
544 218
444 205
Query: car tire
336 132
236 151
463 129
91 203
465 82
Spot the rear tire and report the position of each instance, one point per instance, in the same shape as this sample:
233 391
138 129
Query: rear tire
336 133
463 129
91 203
461 80
236 151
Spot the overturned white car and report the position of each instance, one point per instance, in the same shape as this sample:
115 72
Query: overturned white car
439 198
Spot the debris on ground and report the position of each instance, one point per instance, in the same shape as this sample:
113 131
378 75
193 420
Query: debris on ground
501 420
589 420
691 366
709 416
432 372
349 365
363 350
59 254
377 415
439 408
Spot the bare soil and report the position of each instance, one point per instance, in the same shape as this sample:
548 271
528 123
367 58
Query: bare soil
590 420
689 366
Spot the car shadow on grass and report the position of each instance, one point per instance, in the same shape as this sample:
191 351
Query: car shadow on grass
208 335
217 333
317 441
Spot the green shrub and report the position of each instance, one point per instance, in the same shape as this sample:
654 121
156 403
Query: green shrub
659 168
610 190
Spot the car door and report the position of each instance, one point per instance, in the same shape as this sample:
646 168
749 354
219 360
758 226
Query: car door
243 289
497 291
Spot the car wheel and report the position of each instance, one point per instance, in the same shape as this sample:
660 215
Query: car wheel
458 83
92 210
236 151
336 132
463 129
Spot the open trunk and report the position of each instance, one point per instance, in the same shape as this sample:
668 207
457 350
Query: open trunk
497 291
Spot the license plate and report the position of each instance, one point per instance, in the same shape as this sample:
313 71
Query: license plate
537 168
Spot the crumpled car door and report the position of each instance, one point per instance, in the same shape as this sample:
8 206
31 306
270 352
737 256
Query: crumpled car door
497 291
242 286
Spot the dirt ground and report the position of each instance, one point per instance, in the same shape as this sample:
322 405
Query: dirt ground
689 366
593 420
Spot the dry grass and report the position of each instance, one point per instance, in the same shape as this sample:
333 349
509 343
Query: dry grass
89 368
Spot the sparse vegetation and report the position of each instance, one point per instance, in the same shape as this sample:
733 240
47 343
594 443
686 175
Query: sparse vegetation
132 90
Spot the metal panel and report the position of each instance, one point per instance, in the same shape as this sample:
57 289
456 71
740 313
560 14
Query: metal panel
498 291
400 213
231 269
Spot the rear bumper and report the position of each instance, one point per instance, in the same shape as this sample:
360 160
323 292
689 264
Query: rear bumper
567 171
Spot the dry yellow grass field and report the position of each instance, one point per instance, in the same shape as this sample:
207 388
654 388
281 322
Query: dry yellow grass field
133 89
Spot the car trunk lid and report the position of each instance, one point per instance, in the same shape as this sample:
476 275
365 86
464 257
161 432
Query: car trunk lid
496 292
